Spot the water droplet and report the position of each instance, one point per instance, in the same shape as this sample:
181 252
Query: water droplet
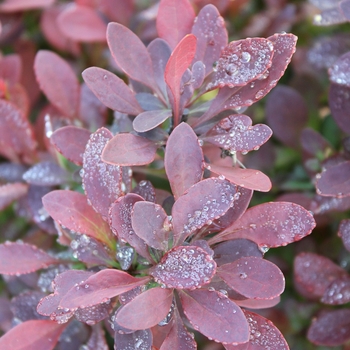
245 57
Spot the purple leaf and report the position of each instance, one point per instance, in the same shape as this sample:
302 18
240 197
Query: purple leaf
94 314
314 273
24 305
174 20
345 8
141 340
82 23
11 69
127 149
148 221
58 82
120 223
258 303
183 159
271 225
247 276
97 340
202 203
71 141
339 103
247 178
102 182
338 292
241 62
230 251
338 73
100 287
155 303
149 120
334 181
215 316
313 142
28 258
185 267
329 16
344 232
210 31
72 210
23 5
331 328
180 59
198 75
11 192
130 54
146 190
11 172
32 335
111 90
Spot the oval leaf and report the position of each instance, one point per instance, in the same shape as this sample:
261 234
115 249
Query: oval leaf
141 340
11 192
338 292
149 120
339 103
344 232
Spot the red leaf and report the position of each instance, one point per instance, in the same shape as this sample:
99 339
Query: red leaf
28 258
334 181
71 141
24 5
202 203
71 210
102 182
99 287
111 90
314 273
32 335
271 225
174 20
148 221
149 120
11 192
130 54
146 310
183 159
210 31
338 292
215 316
11 68
247 276
58 82
344 232
247 178
128 149
185 267
81 23
178 62
258 303
331 328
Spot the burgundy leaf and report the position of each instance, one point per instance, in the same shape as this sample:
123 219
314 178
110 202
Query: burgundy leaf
149 120
148 221
141 340
72 210
111 90
24 305
331 328
11 192
322 205
102 182
313 142
338 72
210 31
100 287
28 258
130 54
120 223
183 159
71 141
174 20
253 277
262 332
286 114
215 316
339 103
185 267
236 133
241 62
97 340
16 135
94 314
202 203
32 335
11 68
198 75
146 190
180 59
247 178
81 23
314 273
334 181
131 294
46 173
127 149
11 172
235 249
258 303
155 303
344 232
58 82
338 292
271 225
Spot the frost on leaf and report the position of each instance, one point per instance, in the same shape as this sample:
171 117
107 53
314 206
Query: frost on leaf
241 62
185 267
102 182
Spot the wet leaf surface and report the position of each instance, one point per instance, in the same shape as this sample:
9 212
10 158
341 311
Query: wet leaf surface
149 120
344 232
141 340
11 192
338 292
339 103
